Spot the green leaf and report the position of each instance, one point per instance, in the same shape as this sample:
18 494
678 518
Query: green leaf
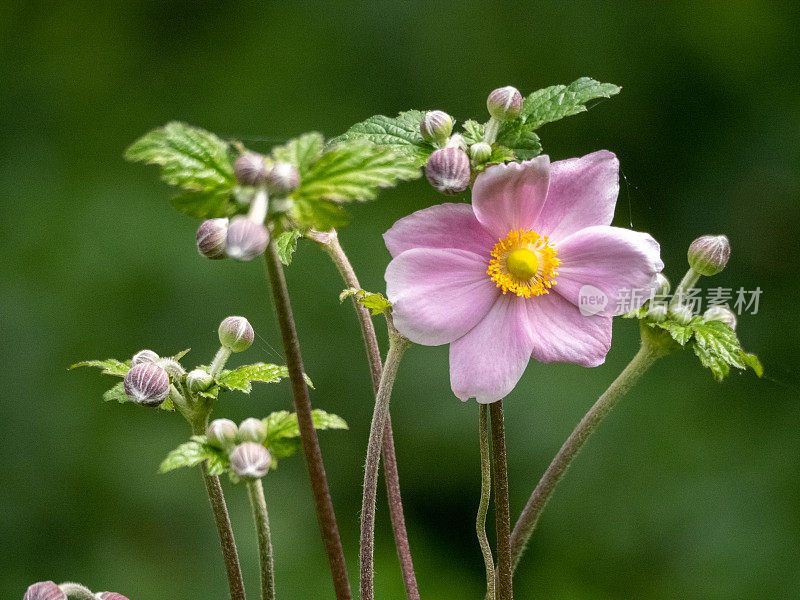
287 244
719 368
283 431
301 151
110 366
322 215
376 303
116 393
194 160
400 133
472 132
719 341
240 379
680 333
559 101
180 355
519 137
751 360
192 453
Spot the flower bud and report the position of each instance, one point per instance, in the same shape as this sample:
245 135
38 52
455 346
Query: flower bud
110 596
504 102
173 368
721 313
709 254
222 433
250 460
662 285
44 590
283 178
480 152
250 169
198 380
144 356
436 127
147 384
252 430
456 141
448 170
246 239
681 313
236 334
211 236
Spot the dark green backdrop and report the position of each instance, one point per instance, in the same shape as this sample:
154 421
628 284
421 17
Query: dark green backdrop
689 490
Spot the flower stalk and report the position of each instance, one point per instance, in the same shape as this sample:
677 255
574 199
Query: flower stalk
503 581
308 435
483 507
329 241
78 591
397 347
258 504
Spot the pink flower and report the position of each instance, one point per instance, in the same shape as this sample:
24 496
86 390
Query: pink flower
502 280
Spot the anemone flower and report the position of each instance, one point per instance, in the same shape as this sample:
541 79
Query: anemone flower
531 269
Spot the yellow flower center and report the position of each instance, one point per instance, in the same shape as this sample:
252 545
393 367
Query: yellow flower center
524 263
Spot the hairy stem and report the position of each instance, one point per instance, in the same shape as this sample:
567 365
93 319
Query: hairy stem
229 553
220 358
483 507
330 243
397 347
526 523
76 590
258 504
308 435
503 520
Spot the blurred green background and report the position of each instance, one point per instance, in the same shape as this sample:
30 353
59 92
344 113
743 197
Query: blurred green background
690 490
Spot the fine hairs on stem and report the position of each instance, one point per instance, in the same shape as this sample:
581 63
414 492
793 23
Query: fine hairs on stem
308 435
483 507
330 243
397 347
503 583
258 504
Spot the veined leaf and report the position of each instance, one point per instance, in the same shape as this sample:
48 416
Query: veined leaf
400 133
301 151
559 101
110 366
192 453
287 244
376 303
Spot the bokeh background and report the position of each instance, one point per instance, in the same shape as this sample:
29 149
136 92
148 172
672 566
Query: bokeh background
690 489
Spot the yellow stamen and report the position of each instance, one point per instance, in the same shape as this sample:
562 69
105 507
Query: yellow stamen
524 263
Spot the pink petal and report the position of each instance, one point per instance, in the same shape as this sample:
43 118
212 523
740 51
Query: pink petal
44 590
562 334
111 596
617 264
446 225
438 295
583 192
488 361
511 196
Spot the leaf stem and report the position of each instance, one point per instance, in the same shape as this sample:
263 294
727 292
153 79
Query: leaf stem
215 495
329 241
397 347
502 517
308 435
220 358
483 507
258 504
643 360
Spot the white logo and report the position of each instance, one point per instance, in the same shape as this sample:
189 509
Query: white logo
591 301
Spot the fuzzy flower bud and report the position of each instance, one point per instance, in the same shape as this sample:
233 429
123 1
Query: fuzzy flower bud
480 152
147 384
110 596
236 334
246 239
448 170
173 368
283 179
222 433
456 141
709 254
44 590
252 430
250 460
504 102
144 356
250 169
436 127
721 313
681 313
211 236
198 380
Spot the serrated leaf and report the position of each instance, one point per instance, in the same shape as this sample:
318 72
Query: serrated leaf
376 303
181 354
680 333
110 366
240 379
519 137
301 151
472 132
400 133
719 368
559 101
286 243
283 431
720 341
192 453
322 215
116 393
207 204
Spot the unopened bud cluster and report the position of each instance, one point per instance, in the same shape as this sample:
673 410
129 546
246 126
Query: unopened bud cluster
48 590
244 445
709 254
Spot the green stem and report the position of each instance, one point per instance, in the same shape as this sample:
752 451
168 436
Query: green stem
483 507
258 504
229 553
503 581
330 243
689 279
645 357
220 358
76 590
308 435
397 347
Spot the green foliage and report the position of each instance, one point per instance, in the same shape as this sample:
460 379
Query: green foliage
376 303
286 243
192 453
116 393
301 151
400 133
472 132
241 379
519 136
559 101
109 366
283 431
194 160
